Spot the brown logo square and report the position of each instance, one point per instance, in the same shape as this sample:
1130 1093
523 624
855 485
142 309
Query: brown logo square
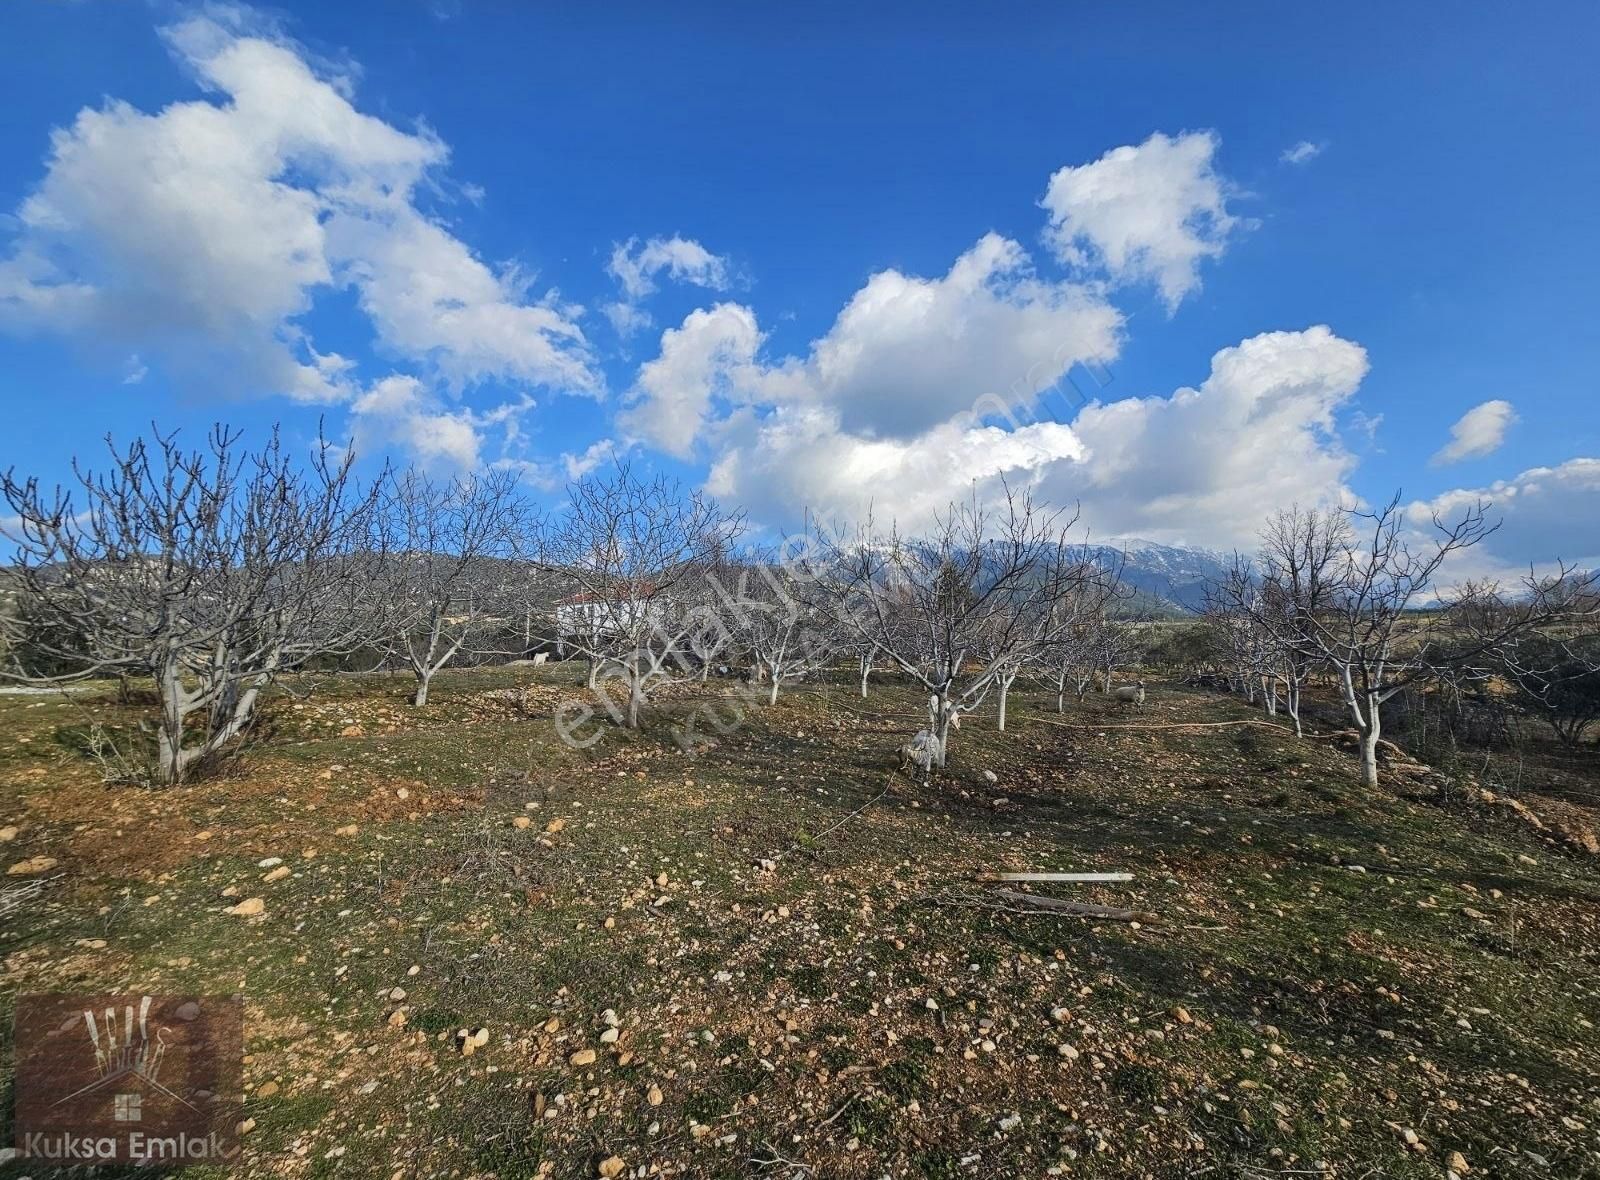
136 1079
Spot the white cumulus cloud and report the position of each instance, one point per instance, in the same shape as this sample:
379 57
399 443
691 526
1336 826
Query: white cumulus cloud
1150 213
404 413
400 411
203 234
1206 464
636 266
800 457
907 352
904 355
1479 431
1201 466
1545 514
711 356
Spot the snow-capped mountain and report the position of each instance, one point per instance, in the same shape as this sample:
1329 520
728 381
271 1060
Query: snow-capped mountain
1171 573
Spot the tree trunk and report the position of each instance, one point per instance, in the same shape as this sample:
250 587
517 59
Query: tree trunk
1005 691
169 737
1369 757
772 691
866 669
635 696
169 768
941 728
1369 726
594 671
421 696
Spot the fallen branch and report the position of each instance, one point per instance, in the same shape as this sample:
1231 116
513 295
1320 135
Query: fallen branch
14 897
847 1104
778 1160
797 845
1082 909
1055 877
1178 725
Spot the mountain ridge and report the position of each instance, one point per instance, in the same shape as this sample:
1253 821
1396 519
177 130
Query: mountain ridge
1173 574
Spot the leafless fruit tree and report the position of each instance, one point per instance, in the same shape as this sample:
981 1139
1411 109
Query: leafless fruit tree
1366 624
448 576
957 608
773 613
706 634
1076 653
1247 615
625 549
866 654
211 572
1076 593
1554 668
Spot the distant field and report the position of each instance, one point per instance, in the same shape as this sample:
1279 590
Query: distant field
1337 983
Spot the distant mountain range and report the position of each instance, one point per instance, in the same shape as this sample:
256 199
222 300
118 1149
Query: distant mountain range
1173 576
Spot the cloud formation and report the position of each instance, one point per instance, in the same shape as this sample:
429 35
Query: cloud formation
637 265
1194 467
401 412
1203 465
1544 513
1479 431
711 355
903 356
202 235
1150 213
1301 153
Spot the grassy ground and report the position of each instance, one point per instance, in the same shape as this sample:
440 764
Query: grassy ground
807 980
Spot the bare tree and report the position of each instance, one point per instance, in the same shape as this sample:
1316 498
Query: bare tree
866 653
449 548
625 548
955 609
1554 667
1300 563
212 572
1082 627
1120 645
1259 655
1075 658
1077 587
1367 626
769 610
706 633
1558 680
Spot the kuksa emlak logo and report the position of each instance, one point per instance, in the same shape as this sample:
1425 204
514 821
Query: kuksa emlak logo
128 1079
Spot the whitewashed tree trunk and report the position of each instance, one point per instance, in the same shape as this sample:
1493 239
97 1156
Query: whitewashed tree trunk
1369 748
1006 680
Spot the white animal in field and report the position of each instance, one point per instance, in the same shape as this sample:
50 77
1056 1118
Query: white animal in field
923 750
1132 694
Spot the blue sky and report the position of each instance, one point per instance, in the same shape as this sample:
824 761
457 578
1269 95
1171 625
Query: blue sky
844 232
